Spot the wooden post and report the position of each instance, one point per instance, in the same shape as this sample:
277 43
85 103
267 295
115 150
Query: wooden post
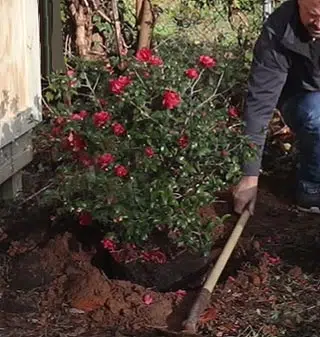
52 58
12 187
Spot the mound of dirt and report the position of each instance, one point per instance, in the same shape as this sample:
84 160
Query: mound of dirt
63 274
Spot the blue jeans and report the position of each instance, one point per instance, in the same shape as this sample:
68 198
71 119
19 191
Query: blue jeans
302 114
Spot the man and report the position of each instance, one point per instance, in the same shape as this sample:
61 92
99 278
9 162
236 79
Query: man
285 73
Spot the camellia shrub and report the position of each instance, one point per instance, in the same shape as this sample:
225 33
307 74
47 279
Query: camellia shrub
144 147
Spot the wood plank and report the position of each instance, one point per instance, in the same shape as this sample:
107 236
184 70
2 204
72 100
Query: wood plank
12 187
15 156
20 86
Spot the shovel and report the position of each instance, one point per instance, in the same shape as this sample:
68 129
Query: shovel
204 296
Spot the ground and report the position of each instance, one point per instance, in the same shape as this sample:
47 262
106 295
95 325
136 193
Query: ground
50 287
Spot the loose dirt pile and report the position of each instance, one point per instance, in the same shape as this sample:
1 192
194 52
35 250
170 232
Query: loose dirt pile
50 288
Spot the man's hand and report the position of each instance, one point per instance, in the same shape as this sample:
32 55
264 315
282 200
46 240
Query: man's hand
245 194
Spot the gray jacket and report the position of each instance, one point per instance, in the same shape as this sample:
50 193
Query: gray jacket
285 62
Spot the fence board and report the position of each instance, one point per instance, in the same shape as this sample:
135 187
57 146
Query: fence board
20 86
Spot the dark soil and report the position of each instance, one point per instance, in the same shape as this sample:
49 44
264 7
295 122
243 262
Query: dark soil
50 284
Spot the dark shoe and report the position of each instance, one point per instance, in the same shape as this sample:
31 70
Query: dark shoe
308 197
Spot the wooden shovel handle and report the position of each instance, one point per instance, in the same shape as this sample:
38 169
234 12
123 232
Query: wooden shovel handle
205 293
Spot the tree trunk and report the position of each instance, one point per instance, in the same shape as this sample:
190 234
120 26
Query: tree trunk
139 5
82 18
145 24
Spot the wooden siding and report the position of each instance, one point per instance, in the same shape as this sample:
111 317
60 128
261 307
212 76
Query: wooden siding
20 69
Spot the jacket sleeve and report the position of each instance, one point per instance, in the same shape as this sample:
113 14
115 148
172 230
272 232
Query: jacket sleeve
267 77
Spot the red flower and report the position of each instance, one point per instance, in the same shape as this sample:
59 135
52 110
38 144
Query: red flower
144 55
103 102
59 121
75 142
149 152
121 171
171 99
100 119
156 60
272 260
233 112
56 131
147 299
109 245
71 73
224 153
80 116
85 218
105 160
72 84
85 159
124 80
183 141
207 61
181 292
118 85
146 74
155 256
192 73
118 129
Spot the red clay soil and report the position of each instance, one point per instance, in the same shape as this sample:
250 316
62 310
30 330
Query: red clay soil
275 290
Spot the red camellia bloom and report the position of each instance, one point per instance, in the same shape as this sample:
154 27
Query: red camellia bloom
124 80
171 99
146 74
75 142
149 152
144 55
105 160
183 141
85 159
109 245
192 73
60 121
73 81
121 171
233 112
103 102
101 118
155 256
207 61
147 299
56 131
71 73
181 292
118 85
118 129
85 218
79 116
156 60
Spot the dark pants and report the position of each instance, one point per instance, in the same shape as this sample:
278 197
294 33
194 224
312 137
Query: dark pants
302 114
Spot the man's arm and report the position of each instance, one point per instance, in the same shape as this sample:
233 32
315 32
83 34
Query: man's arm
268 75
